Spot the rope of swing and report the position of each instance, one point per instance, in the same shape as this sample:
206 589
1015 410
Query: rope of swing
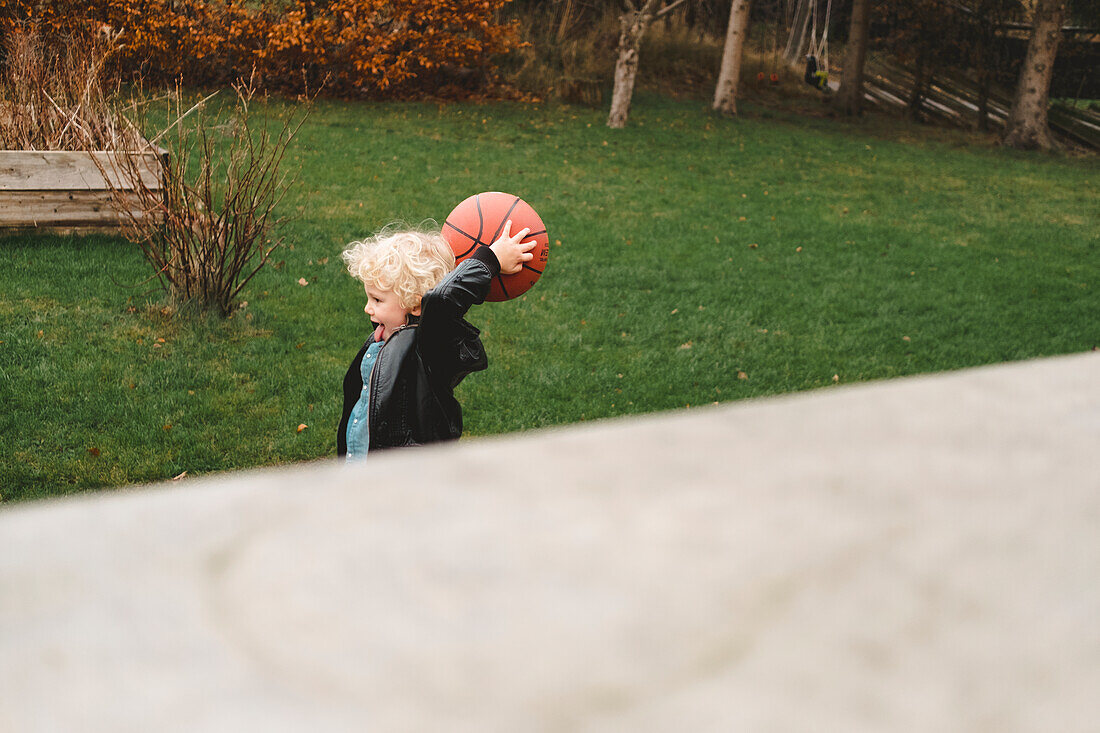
820 48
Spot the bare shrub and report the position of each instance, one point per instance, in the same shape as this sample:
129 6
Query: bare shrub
206 228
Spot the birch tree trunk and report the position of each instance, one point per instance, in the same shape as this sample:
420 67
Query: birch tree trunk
849 98
632 27
1027 122
725 92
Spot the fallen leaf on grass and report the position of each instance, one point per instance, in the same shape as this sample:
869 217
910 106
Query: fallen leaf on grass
302 281
168 427
686 346
94 452
302 426
836 377
742 375
178 477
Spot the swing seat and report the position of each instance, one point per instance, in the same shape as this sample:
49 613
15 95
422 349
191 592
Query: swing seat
810 77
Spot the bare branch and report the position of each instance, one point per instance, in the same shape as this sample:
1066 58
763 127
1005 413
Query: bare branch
180 119
669 8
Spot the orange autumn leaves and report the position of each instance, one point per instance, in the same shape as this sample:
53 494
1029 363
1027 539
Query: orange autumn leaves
371 48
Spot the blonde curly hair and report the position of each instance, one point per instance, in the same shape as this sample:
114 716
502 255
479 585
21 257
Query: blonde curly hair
404 260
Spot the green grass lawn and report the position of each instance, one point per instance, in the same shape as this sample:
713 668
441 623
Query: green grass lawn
694 260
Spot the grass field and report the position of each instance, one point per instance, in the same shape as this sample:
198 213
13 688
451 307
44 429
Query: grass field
694 260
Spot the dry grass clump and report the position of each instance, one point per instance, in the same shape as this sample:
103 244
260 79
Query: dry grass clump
564 57
55 95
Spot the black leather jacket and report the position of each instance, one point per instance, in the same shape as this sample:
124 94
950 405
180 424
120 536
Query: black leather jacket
412 386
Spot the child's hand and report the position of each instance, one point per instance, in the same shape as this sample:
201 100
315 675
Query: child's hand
510 251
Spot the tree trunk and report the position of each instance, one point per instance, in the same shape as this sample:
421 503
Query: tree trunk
849 98
566 20
1027 122
983 100
632 28
725 93
983 66
920 79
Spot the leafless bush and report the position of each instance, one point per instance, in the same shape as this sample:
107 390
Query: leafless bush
205 229
54 94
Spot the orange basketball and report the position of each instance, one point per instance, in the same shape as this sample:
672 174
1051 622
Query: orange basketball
478 222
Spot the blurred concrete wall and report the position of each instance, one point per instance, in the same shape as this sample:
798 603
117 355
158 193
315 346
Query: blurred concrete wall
914 555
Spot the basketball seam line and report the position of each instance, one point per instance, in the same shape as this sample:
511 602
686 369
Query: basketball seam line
472 246
480 218
504 219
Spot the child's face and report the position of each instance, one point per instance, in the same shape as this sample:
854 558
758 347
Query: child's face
385 309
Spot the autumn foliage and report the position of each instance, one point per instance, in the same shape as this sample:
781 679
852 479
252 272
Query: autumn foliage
367 48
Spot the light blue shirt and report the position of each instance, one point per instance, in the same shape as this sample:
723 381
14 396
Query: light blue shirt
358 433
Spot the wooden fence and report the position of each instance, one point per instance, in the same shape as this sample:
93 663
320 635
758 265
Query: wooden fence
953 98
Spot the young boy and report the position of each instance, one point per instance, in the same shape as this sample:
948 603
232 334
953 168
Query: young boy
399 389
